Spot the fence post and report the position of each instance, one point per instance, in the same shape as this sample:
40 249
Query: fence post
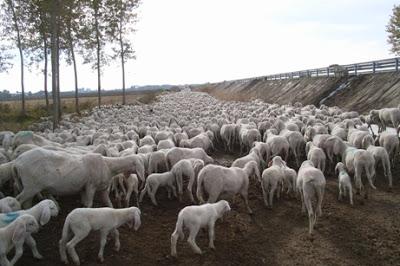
373 67
327 71
397 64
355 69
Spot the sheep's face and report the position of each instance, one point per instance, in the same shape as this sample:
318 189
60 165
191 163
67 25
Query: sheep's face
13 204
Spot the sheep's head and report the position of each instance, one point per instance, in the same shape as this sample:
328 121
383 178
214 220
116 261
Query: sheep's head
134 218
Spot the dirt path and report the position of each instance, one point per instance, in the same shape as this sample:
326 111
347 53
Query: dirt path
366 234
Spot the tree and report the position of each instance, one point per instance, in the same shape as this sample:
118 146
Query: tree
93 34
121 17
38 41
54 45
5 58
71 18
393 28
13 23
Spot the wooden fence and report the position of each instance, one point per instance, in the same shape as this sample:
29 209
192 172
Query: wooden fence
372 67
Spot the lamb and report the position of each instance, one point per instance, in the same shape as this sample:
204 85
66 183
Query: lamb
380 155
316 155
195 218
254 155
344 182
155 180
42 212
218 180
189 168
272 178
13 235
81 221
311 184
9 204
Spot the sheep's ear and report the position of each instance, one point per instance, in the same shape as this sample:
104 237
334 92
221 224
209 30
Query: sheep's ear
45 216
336 168
19 232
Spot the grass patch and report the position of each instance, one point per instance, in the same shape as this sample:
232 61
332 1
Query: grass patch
12 119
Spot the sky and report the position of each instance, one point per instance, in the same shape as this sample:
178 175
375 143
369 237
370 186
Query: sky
199 41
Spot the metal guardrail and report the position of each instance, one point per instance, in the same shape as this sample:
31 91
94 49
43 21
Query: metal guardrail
371 67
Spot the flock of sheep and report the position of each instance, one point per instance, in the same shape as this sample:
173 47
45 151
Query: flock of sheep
125 150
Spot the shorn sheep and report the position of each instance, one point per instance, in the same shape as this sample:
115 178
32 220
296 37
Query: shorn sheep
13 235
272 180
311 184
194 218
81 221
218 180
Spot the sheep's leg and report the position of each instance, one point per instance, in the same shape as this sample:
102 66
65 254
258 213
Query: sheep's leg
174 240
340 192
106 198
169 192
174 191
152 194
211 234
246 201
351 195
143 192
30 241
103 241
4 260
117 244
73 242
25 197
18 253
311 216
90 191
271 194
190 186
192 239
83 198
265 194
128 196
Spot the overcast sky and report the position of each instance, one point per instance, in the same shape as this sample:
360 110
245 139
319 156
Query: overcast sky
196 41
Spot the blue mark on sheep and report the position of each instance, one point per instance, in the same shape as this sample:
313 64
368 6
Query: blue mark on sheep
9 217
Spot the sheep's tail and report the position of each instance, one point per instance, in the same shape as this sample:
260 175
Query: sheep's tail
179 227
199 191
64 239
178 233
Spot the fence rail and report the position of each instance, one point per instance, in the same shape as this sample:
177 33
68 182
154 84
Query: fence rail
371 67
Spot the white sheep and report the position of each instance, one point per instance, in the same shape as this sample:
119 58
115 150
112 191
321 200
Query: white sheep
380 155
391 143
194 218
42 212
272 179
154 181
81 221
311 184
189 168
9 204
13 235
217 180
316 155
344 182
176 154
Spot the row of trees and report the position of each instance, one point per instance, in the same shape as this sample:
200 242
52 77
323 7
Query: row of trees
97 30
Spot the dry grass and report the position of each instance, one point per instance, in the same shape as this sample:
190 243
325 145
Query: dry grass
11 118
225 95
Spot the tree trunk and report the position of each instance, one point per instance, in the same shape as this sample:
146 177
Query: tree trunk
76 78
96 23
19 45
45 74
122 64
54 64
58 67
